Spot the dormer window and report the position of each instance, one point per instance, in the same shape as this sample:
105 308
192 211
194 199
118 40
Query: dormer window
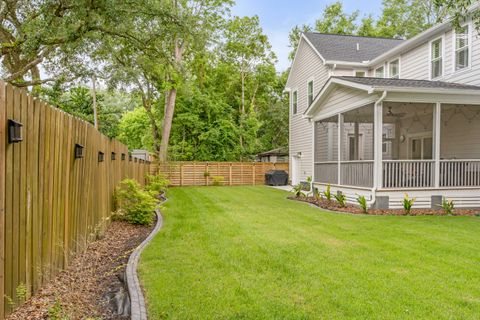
436 58
394 69
310 92
380 72
462 48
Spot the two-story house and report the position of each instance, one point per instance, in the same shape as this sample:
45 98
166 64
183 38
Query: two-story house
384 117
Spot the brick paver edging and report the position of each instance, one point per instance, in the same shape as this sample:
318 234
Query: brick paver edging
137 300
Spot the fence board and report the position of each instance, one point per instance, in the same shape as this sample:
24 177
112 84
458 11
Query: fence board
203 173
51 204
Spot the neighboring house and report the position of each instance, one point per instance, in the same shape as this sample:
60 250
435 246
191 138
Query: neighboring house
142 154
274 156
381 117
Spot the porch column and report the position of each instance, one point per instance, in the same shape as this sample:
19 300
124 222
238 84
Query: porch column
436 142
377 151
339 147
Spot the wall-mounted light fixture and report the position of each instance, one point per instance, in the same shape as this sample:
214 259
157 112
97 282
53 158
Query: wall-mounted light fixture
78 151
134 159
14 131
113 156
130 158
123 156
101 156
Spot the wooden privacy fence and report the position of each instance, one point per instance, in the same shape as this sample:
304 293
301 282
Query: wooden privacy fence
53 199
203 173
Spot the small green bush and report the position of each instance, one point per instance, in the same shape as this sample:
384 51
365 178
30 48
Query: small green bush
156 184
133 204
218 180
407 204
448 206
362 201
298 190
341 199
328 194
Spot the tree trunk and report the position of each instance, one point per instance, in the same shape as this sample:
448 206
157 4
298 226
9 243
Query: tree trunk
167 124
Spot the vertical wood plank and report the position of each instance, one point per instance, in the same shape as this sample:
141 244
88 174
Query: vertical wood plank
3 139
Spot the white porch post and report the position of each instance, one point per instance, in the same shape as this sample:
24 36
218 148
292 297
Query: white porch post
378 156
339 148
436 142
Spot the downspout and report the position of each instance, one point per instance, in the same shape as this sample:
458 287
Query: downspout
374 189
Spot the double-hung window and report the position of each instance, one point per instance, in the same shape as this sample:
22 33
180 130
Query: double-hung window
462 48
310 92
380 72
394 69
436 58
294 101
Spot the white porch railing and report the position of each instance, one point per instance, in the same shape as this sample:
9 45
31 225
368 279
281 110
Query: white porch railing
357 173
326 172
408 173
459 173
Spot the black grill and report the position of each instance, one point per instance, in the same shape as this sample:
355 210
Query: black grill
276 178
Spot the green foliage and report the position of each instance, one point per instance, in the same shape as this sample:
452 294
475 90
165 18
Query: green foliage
56 312
22 291
133 204
448 206
341 199
407 204
218 180
135 130
362 201
327 193
298 190
156 184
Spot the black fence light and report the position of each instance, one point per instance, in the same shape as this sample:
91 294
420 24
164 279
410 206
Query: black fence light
113 155
101 156
14 131
134 159
123 156
130 158
78 151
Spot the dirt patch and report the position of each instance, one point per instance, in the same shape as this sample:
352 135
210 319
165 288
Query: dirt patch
334 206
80 292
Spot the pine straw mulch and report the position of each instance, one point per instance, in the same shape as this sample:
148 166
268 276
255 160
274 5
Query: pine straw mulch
332 205
79 292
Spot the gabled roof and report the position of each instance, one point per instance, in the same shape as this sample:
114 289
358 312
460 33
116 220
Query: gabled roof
379 85
344 47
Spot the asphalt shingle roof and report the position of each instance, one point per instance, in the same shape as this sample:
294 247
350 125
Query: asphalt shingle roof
344 47
408 83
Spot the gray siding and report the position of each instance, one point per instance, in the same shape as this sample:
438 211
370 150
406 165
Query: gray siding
307 66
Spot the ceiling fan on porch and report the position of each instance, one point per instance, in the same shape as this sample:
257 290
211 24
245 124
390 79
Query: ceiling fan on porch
390 113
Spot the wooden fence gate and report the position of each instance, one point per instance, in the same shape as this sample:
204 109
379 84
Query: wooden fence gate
56 190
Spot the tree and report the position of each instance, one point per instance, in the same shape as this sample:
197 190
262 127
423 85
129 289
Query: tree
335 20
459 10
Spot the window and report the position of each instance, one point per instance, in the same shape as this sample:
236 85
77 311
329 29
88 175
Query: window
394 69
380 72
310 92
436 58
360 74
294 102
462 50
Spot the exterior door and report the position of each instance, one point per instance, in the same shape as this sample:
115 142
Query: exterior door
295 174
421 148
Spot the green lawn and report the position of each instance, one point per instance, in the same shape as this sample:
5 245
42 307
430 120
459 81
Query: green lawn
249 253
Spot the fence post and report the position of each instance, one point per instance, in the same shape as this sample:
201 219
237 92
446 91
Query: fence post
253 173
3 138
206 173
230 174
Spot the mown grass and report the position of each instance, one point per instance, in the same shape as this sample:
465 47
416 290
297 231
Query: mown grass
249 253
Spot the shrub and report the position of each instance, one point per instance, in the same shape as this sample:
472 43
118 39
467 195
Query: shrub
362 201
341 199
448 206
407 204
316 194
328 193
156 184
218 180
298 190
133 204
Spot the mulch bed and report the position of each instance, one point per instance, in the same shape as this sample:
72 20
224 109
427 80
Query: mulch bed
334 206
80 292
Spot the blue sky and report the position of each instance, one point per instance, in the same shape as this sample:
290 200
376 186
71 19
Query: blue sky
278 17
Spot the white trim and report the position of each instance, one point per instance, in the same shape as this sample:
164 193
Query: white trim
383 72
443 57
454 50
312 80
339 147
436 150
341 63
291 102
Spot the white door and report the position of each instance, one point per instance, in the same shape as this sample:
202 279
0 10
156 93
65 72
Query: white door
295 174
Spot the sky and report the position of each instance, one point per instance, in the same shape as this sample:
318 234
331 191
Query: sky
278 17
